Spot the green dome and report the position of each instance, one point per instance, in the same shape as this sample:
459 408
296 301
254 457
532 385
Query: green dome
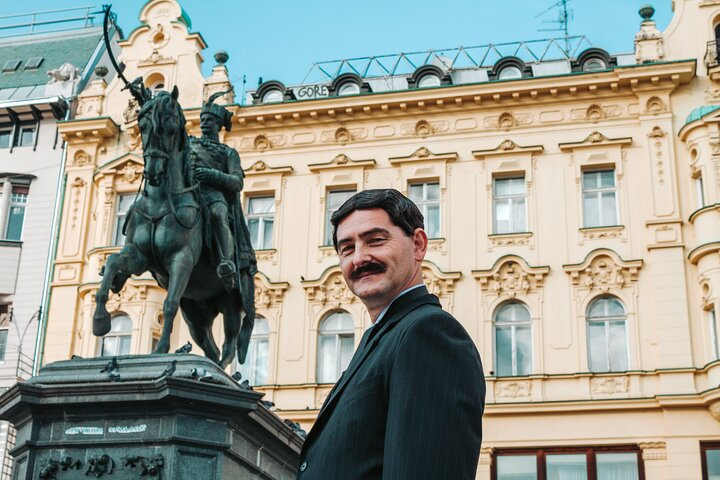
700 112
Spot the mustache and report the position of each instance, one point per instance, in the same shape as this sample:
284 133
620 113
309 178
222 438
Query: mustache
371 267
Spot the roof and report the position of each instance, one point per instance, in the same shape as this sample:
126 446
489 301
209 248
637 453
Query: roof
700 112
75 47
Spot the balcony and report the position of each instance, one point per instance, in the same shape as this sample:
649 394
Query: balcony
712 59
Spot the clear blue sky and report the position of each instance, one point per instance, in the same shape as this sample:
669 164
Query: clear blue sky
280 40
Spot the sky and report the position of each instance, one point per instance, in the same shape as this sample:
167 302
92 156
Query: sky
280 40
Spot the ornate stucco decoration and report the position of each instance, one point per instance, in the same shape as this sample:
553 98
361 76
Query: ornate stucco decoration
79 159
329 290
423 129
714 409
594 113
127 169
602 270
268 294
653 450
341 161
156 58
610 385
654 106
424 154
129 293
439 283
507 147
511 276
513 390
262 168
343 136
262 143
596 138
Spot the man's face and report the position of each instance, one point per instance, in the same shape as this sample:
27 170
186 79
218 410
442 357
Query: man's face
209 124
377 258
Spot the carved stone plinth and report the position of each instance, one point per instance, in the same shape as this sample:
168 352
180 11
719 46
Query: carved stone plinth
176 417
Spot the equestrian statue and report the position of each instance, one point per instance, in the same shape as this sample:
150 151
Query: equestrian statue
187 227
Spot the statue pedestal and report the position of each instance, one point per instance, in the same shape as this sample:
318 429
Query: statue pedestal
176 417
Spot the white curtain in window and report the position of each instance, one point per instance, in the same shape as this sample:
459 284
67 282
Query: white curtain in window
117 341
336 342
566 467
256 366
617 466
516 467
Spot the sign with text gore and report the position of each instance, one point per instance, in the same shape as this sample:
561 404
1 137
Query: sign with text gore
310 91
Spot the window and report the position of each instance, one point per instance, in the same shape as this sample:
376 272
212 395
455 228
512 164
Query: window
712 319
26 137
273 96
260 220
594 64
428 80
509 73
699 191
3 343
117 341
335 199
349 88
607 338
255 369
16 212
336 342
5 138
509 211
427 197
124 201
710 460
572 463
513 340
599 198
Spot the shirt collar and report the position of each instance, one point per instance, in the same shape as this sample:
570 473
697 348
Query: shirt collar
384 310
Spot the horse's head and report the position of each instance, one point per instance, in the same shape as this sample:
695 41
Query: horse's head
162 126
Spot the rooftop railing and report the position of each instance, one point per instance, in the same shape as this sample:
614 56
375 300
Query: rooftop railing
49 21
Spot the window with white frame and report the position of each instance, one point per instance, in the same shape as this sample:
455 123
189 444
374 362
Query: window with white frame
16 212
256 366
124 201
513 340
260 221
599 198
607 335
427 197
699 191
336 342
117 341
509 205
335 199
712 320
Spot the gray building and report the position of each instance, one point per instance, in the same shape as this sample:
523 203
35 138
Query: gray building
46 59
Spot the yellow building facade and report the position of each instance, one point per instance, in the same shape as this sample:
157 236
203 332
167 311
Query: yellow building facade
572 204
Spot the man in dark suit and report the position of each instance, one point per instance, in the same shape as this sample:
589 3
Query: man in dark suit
409 406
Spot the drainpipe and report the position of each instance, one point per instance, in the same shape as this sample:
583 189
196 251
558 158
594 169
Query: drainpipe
49 266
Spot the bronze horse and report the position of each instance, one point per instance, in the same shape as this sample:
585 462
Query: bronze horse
164 235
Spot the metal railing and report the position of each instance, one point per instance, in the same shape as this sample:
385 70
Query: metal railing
531 51
49 21
712 53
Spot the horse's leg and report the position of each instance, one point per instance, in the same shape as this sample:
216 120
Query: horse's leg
199 318
117 269
247 287
231 322
179 268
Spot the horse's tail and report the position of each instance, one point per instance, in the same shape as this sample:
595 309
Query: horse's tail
247 296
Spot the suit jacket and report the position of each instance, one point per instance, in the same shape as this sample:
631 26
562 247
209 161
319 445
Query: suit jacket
408 407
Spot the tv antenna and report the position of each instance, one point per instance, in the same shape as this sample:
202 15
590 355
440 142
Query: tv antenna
562 22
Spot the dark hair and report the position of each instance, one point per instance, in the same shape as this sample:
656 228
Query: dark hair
402 211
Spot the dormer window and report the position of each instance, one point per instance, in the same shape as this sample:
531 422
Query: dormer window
349 88
429 80
509 73
593 65
272 96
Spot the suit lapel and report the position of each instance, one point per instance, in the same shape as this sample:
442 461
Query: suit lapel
399 309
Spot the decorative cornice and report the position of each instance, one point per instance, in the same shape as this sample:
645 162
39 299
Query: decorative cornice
88 130
111 167
596 139
438 282
262 168
424 154
507 147
341 161
702 250
329 288
603 269
268 294
511 275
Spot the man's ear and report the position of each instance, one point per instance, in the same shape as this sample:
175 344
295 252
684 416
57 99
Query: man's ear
420 243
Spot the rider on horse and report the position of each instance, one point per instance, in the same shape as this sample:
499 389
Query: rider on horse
217 168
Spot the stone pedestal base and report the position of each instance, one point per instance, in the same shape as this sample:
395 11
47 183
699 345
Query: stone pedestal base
176 417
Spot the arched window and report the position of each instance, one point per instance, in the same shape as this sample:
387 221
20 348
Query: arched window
256 366
117 341
429 80
509 72
273 96
349 88
336 341
513 340
607 336
594 64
